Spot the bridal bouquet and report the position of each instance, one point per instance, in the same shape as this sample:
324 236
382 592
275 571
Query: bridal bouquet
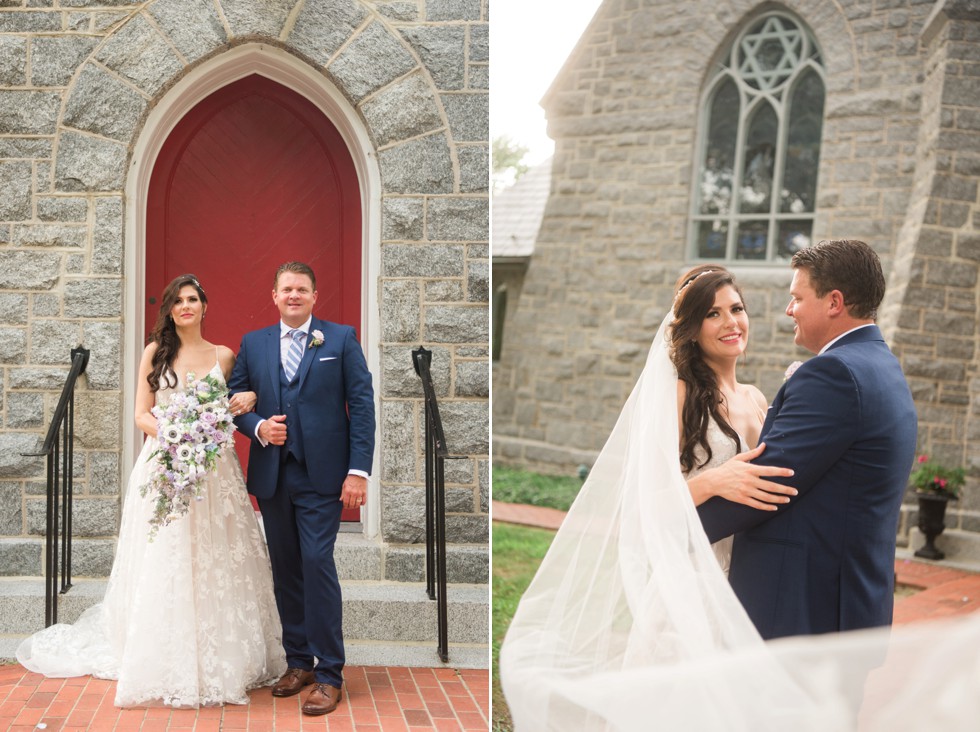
192 430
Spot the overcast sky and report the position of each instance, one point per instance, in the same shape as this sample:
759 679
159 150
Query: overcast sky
529 42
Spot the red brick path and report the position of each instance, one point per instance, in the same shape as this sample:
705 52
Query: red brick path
376 698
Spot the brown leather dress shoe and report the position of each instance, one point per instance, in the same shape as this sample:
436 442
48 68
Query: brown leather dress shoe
322 700
292 682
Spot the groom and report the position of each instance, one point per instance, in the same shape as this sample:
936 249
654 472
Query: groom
312 446
845 423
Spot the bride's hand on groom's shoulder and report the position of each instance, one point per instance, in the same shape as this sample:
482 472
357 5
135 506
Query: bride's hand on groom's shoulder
741 481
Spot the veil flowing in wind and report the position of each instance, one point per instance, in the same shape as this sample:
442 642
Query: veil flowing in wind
630 623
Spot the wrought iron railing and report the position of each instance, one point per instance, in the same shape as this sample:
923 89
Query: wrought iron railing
436 455
58 448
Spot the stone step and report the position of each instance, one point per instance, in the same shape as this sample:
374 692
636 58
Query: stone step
382 620
962 548
357 557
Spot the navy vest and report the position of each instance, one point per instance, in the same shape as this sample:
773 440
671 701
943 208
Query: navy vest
289 398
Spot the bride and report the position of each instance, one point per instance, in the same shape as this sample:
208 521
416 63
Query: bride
189 616
630 623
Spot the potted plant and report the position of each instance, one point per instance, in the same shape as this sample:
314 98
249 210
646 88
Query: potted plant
935 485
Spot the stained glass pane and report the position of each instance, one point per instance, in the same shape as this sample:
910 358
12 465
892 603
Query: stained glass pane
760 157
803 145
751 240
770 52
712 238
793 236
719 154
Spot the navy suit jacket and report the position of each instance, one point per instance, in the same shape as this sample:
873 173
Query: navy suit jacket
846 424
336 406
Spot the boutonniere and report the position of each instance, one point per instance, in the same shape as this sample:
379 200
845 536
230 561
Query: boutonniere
317 339
791 369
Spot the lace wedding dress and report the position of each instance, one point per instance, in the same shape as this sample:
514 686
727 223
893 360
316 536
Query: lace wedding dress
189 618
630 623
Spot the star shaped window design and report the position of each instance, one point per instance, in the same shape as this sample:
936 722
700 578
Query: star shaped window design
769 54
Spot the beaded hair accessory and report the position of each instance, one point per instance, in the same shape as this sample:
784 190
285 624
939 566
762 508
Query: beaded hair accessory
688 283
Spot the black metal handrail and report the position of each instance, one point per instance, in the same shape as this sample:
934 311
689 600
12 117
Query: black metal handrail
64 417
435 499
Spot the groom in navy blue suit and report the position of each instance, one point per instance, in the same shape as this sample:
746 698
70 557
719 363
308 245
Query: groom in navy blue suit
312 447
846 424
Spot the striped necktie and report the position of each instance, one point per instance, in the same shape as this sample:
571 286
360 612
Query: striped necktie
295 353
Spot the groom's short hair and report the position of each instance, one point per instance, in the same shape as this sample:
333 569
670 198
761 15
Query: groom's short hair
850 266
297 268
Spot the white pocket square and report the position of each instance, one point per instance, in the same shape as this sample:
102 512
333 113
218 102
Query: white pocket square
329 358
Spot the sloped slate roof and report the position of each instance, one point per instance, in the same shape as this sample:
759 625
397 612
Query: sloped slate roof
517 213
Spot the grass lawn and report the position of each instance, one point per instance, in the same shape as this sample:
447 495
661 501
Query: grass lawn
520 486
517 552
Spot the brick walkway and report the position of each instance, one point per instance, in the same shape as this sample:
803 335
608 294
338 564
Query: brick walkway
941 591
376 698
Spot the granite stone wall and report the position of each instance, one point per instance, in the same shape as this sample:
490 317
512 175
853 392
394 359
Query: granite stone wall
898 169
77 79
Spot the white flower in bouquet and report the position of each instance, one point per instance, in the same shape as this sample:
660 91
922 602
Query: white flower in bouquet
193 428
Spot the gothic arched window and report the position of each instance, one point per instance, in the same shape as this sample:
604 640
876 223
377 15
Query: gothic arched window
759 145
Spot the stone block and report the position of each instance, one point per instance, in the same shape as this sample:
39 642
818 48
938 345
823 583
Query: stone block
402 219
62 208
441 49
478 76
93 298
444 291
398 10
405 109
466 424
468 529
28 112
54 59
20 557
139 53
97 424
30 22
15 189
52 341
13 308
422 260
37 378
88 163
456 323
464 564
256 17
104 340
13 346
472 379
478 281
474 168
92 557
400 441
418 166
459 219
60 236
193 26
399 379
25 147
400 311
483 469
11 517
14 465
25 410
90 516
102 104
373 59
460 470
46 306
13 61
469 116
437 10
403 515
107 238
323 26
479 43
103 478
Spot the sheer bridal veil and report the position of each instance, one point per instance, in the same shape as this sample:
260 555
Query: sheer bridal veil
630 623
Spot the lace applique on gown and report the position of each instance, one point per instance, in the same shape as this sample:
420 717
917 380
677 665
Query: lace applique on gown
188 619
722 450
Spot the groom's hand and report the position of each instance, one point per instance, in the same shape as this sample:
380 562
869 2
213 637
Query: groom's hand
354 492
273 430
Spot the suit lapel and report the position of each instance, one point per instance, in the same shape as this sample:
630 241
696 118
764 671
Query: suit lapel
273 359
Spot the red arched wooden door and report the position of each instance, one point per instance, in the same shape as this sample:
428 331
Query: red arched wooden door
253 176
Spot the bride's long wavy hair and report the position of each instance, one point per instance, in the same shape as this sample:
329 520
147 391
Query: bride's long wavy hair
164 333
694 296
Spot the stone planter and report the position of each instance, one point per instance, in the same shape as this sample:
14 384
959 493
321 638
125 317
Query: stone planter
932 522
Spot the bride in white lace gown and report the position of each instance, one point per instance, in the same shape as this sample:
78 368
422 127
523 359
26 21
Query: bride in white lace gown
189 617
